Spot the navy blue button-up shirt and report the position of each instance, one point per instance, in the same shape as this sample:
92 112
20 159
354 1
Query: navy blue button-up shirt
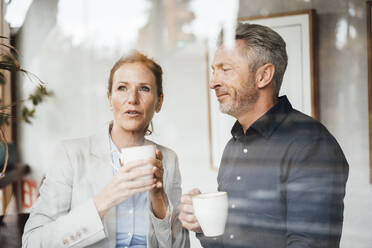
285 178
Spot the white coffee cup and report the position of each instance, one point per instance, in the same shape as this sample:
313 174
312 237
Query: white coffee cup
133 153
210 210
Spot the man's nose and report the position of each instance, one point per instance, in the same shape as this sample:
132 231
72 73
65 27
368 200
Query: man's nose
214 82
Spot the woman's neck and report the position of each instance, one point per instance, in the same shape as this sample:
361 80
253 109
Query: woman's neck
122 138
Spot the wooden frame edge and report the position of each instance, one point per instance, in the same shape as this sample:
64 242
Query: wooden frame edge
314 71
209 111
289 13
369 64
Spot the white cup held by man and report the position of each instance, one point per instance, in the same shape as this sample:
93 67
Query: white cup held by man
210 210
133 153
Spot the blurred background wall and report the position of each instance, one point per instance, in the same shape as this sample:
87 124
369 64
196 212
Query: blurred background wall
78 77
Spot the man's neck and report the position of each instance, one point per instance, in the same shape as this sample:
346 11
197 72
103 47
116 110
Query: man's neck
256 111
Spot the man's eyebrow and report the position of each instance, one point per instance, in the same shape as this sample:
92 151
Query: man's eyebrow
220 65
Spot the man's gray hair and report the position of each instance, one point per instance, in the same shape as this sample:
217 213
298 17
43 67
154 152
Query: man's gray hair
264 45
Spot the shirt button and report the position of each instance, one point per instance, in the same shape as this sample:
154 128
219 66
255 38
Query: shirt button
231 236
232 205
131 211
245 150
129 234
238 178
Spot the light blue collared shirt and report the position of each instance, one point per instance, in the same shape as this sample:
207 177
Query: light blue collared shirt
132 218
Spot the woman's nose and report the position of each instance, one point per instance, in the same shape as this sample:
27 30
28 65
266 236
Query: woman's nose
133 96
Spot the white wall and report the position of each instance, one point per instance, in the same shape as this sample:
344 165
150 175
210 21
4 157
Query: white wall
78 78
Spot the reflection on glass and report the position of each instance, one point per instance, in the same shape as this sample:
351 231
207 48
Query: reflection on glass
16 12
112 25
341 33
207 24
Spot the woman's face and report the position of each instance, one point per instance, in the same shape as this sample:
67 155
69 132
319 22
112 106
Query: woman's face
133 99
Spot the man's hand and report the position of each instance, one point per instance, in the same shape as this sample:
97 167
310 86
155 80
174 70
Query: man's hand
186 209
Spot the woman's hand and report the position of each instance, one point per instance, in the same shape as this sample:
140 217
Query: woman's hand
158 174
158 196
125 183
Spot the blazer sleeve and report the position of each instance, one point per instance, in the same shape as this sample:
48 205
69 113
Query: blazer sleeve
315 191
169 231
52 222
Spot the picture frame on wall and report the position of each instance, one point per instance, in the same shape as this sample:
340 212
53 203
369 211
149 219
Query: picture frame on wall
369 48
299 82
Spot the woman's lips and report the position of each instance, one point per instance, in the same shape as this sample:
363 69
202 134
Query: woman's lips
132 113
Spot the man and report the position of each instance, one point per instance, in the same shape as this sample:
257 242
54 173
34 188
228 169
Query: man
284 173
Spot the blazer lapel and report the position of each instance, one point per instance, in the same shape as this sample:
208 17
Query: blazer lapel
103 166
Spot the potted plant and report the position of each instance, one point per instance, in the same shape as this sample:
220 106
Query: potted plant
9 62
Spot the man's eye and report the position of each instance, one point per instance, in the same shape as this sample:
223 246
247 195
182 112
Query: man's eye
145 88
122 88
226 69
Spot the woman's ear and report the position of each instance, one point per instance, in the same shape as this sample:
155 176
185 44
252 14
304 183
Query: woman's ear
159 103
109 100
264 75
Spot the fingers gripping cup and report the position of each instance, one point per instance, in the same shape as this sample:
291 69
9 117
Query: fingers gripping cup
133 153
211 212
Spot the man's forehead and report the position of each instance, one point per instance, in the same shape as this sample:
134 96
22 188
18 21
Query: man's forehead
238 45
225 55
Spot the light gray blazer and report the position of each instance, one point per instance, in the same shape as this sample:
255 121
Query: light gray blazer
65 216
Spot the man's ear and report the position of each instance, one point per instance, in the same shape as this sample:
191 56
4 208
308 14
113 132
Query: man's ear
264 75
159 103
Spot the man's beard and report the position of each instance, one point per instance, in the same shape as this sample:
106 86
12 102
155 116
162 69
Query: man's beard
243 102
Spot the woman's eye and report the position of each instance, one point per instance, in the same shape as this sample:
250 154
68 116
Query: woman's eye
122 87
145 88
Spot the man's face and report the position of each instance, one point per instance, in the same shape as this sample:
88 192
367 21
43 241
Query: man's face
233 82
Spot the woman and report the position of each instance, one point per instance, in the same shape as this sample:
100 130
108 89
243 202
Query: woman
89 199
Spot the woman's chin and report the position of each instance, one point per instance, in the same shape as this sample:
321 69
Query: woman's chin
133 128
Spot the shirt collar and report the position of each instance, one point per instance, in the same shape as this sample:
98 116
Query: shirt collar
112 144
269 122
